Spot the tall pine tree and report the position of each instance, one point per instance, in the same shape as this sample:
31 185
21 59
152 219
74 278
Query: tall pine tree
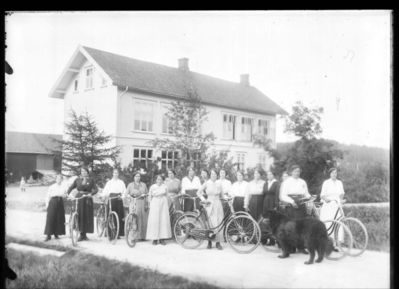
86 145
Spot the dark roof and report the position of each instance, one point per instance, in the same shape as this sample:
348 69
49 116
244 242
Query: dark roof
38 143
169 81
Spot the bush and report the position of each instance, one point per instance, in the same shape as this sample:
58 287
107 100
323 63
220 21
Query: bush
376 218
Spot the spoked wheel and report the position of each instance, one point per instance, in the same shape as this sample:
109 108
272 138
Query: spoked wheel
113 227
74 229
242 233
341 236
173 219
359 235
187 231
131 230
265 229
100 221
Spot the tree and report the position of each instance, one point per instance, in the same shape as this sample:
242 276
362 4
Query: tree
304 122
221 160
314 156
86 145
185 118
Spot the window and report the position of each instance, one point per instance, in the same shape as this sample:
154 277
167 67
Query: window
241 161
143 116
194 160
246 129
75 85
166 124
169 159
142 158
229 126
89 77
263 127
262 160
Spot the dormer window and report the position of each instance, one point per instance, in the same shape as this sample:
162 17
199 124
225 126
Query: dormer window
89 77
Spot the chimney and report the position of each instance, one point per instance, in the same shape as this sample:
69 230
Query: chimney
183 64
244 79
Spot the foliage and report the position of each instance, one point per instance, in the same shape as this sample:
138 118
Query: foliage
86 145
185 126
221 160
304 122
376 220
79 270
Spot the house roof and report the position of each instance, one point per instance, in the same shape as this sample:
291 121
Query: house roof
37 143
169 81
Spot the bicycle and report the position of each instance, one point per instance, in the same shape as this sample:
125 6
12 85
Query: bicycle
109 221
356 227
240 229
131 222
173 213
73 221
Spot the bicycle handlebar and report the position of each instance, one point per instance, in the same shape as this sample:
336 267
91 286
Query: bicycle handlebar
139 197
185 196
75 199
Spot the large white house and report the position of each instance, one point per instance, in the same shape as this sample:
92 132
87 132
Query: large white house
128 98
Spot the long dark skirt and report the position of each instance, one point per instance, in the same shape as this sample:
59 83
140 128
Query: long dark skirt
256 206
226 208
117 207
55 221
86 215
238 204
189 204
269 203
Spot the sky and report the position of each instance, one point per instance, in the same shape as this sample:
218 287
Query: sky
340 60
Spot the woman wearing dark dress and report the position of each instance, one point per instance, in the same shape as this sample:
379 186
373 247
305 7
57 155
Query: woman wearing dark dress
55 220
271 194
85 186
253 201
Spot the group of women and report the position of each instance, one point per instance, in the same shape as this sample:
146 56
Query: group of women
257 196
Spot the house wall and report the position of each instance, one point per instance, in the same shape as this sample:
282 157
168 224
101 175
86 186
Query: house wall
129 139
100 101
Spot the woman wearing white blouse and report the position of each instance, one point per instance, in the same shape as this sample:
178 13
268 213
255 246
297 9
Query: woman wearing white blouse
190 185
331 194
294 187
254 199
238 191
158 227
113 188
55 220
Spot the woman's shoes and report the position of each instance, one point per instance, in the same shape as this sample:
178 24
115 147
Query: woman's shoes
209 245
56 236
218 246
162 242
155 242
48 238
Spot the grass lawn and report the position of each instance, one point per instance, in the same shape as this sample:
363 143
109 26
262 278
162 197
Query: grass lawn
79 270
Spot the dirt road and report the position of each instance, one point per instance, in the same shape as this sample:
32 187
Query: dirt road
226 268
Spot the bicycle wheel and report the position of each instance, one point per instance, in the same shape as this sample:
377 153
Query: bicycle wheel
113 227
341 236
173 218
188 230
359 235
131 230
265 234
74 228
100 221
243 234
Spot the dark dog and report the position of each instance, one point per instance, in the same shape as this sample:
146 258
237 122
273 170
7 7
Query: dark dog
303 233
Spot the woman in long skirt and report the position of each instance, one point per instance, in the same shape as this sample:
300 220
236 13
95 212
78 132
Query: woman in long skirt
254 199
225 185
139 206
85 186
55 220
158 228
190 185
113 188
270 202
214 206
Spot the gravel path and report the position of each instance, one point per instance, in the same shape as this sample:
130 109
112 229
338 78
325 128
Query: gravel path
226 268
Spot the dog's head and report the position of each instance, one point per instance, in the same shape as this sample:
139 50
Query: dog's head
329 247
276 218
